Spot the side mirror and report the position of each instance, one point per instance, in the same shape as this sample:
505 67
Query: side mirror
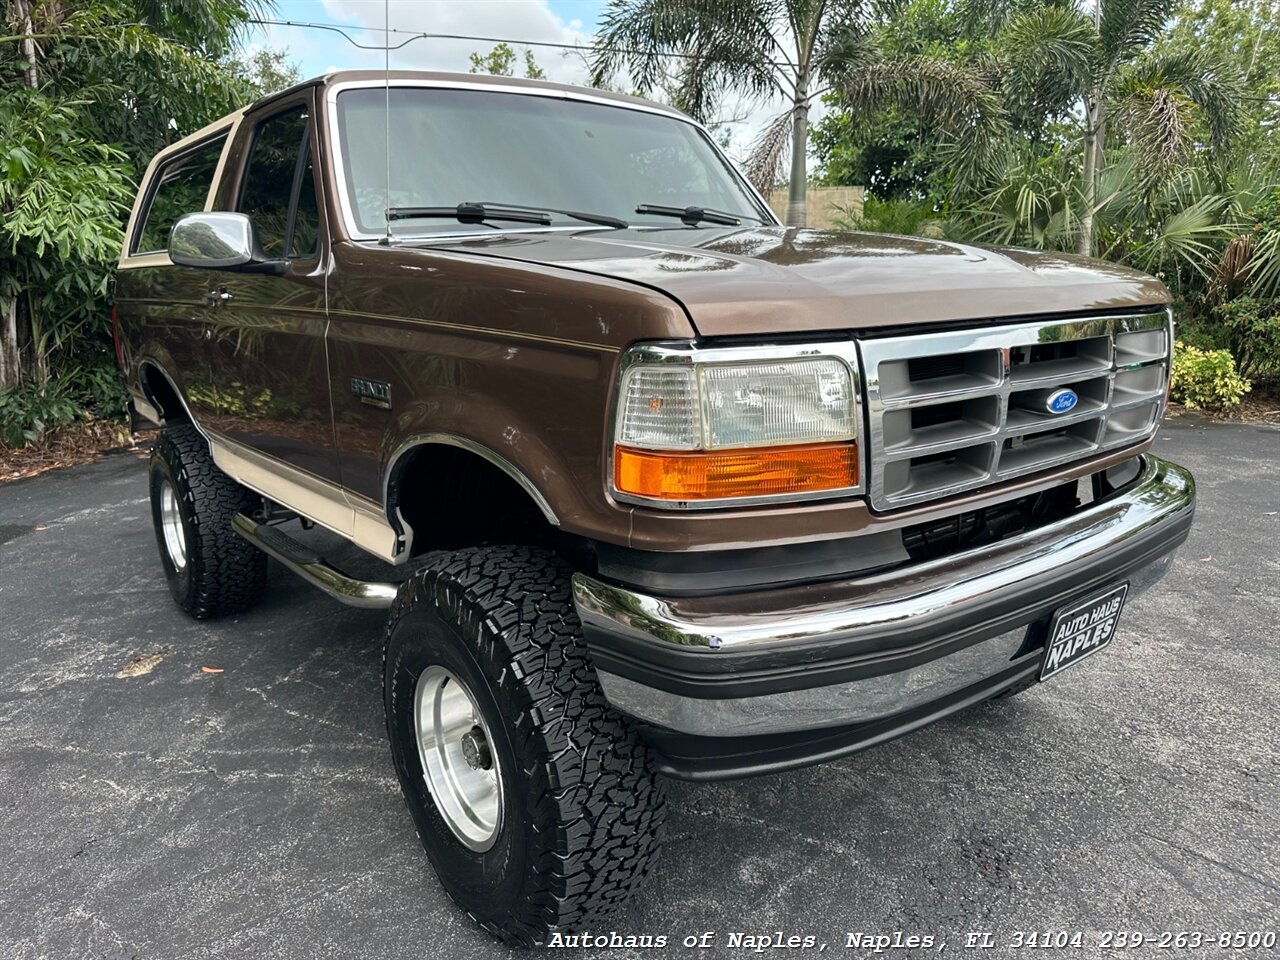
218 241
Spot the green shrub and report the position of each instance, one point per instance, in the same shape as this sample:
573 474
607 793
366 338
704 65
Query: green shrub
1197 326
902 217
30 412
91 389
95 383
1251 331
1206 378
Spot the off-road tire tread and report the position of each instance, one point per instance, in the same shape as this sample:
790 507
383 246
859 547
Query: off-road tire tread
229 573
598 802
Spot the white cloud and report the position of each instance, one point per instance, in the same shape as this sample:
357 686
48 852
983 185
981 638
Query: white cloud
523 19
528 20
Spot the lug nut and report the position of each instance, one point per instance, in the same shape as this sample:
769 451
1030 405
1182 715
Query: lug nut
475 750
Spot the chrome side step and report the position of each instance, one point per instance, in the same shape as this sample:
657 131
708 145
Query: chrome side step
309 565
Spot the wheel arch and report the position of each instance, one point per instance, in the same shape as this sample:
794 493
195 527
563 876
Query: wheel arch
162 392
437 484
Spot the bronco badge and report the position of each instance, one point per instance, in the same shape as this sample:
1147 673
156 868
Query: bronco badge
376 393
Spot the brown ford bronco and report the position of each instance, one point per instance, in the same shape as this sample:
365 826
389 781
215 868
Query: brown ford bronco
657 485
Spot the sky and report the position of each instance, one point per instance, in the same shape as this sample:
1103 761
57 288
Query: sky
319 51
559 21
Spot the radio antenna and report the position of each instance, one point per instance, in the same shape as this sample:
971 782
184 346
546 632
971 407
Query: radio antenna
386 86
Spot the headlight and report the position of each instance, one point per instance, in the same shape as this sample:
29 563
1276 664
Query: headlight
699 427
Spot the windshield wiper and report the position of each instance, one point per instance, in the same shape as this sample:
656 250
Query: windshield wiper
516 212
469 213
692 216
601 218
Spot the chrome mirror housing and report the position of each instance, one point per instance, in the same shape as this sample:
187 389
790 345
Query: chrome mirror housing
211 240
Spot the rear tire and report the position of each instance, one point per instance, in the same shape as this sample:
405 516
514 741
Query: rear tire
580 809
212 571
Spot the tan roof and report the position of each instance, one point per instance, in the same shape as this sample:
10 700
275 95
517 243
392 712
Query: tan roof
482 79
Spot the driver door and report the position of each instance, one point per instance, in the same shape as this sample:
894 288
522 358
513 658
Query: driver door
268 368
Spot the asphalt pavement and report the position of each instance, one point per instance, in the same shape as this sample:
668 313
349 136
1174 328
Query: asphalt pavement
253 812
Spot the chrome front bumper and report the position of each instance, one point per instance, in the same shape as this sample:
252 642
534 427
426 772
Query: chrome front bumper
858 651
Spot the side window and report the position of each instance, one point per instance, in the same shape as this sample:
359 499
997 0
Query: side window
278 190
181 186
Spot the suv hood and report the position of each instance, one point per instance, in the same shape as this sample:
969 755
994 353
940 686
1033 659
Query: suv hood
767 280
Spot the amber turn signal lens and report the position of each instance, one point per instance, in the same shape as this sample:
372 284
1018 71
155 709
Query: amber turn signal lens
758 472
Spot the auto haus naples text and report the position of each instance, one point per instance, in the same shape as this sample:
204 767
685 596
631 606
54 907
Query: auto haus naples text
758 942
1089 629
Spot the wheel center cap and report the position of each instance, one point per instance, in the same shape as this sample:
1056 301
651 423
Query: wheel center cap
475 750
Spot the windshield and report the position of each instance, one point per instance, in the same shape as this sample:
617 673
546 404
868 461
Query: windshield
455 146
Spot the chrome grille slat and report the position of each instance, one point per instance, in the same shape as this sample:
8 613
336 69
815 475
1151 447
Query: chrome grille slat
1022 429
1020 381
941 446
971 416
929 399
1119 405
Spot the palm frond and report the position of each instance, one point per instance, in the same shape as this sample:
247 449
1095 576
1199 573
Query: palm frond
1127 28
1233 266
731 44
986 18
1187 238
1159 123
950 96
804 18
765 159
1251 179
1264 266
1160 95
1036 204
1046 56
845 44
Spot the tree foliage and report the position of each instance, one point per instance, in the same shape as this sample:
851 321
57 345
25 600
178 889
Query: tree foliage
502 61
797 51
64 196
90 90
1140 130
265 71
702 51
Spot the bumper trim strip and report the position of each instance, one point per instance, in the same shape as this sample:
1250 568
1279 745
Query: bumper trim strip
815 635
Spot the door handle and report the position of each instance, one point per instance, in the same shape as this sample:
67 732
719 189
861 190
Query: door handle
214 297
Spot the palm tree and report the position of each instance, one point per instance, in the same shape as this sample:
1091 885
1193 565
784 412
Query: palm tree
796 50
1103 57
761 48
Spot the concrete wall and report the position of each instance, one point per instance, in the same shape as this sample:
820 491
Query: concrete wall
825 204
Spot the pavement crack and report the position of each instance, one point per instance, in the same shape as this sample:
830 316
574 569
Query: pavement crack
1213 861
308 718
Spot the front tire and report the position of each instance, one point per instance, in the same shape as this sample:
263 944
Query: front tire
212 571
557 813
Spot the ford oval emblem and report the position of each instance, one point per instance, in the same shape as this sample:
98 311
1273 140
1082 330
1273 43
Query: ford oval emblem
1062 401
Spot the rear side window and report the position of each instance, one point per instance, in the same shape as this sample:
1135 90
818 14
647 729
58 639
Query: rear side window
180 186
278 191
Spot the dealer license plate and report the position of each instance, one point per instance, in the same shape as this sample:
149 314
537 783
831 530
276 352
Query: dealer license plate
1081 629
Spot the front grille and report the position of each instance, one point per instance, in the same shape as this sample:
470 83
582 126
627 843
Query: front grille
978 528
954 411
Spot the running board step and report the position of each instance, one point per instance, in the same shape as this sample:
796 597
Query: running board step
309 565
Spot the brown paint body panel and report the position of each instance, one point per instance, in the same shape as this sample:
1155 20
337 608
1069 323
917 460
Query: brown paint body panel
512 341
521 356
765 281
268 358
516 357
